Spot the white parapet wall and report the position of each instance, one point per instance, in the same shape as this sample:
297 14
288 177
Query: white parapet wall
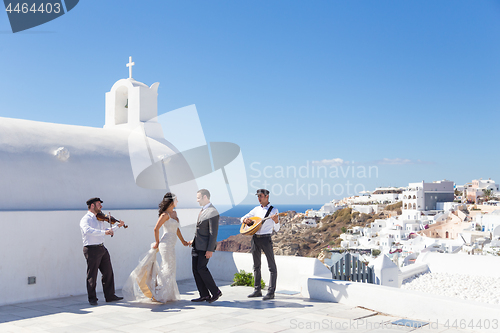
293 272
48 246
461 263
412 270
403 303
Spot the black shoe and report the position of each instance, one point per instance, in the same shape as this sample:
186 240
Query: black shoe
201 299
216 297
256 293
93 302
114 299
268 296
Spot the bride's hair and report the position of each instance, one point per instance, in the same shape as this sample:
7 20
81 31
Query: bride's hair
168 199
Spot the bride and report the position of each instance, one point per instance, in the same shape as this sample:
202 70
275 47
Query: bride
147 280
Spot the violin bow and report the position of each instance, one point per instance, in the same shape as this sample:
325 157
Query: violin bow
110 224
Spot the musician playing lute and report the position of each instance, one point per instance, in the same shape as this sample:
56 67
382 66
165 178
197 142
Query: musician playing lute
261 241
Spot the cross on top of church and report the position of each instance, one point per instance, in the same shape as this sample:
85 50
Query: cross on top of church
129 65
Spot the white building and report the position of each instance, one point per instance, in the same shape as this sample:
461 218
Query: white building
50 170
350 243
417 244
477 188
381 195
327 209
411 228
397 234
350 237
309 222
489 223
423 196
56 166
375 227
366 209
386 241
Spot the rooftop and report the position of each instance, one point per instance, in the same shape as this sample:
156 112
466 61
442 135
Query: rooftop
233 312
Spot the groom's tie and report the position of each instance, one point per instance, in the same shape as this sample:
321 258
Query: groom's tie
199 215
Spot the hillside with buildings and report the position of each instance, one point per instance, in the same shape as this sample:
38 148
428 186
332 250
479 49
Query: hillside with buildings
304 236
437 238
398 222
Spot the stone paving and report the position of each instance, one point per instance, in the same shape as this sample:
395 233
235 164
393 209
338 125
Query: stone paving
233 312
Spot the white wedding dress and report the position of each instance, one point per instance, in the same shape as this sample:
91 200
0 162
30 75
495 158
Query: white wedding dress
150 282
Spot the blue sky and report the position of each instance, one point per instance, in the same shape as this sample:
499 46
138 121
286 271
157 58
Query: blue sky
408 88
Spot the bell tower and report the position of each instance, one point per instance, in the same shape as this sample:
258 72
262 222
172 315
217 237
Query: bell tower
130 103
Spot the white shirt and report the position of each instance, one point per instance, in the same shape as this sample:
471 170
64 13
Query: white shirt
268 225
93 230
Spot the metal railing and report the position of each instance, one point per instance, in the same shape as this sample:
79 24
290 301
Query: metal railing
350 268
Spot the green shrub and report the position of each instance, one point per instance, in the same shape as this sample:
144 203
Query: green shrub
245 279
375 252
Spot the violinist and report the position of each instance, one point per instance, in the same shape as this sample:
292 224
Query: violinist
97 256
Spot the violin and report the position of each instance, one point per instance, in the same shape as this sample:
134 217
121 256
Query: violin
108 218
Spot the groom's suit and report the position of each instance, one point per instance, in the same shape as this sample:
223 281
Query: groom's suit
205 239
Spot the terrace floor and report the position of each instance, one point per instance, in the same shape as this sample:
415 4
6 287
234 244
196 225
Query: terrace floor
233 312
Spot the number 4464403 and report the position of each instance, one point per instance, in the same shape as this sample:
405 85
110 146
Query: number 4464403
472 324
41 8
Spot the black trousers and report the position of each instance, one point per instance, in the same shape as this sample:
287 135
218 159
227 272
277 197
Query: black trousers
264 243
202 276
98 259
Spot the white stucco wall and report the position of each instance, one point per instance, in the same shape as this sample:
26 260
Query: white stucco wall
48 245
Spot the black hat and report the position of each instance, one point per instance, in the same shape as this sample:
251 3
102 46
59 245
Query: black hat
263 191
92 200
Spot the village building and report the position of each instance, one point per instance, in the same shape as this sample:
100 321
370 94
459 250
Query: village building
422 196
475 191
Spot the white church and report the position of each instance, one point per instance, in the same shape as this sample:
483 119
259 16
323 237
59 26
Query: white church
50 170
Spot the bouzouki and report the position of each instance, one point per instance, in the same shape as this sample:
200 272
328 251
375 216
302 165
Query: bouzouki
256 225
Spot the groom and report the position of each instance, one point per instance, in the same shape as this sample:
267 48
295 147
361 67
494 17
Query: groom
204 244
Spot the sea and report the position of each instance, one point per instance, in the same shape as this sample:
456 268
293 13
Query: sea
230 230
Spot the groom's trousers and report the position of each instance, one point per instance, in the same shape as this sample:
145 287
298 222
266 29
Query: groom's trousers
204 280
